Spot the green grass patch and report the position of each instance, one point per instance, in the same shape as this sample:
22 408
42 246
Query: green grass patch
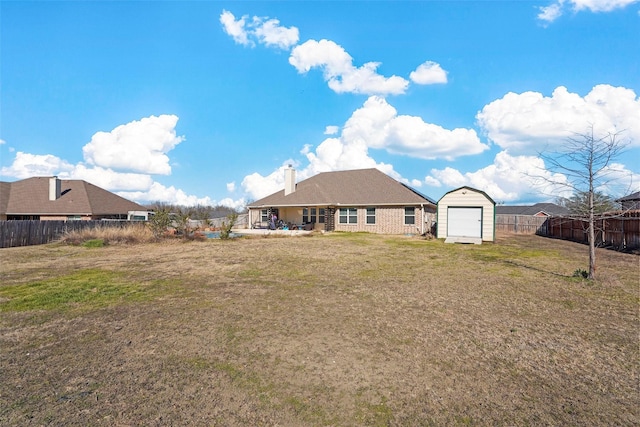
375 414
83 289
93 243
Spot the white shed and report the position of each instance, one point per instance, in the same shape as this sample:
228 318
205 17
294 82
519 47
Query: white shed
466 215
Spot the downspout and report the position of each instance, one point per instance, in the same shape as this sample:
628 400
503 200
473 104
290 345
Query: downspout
423 219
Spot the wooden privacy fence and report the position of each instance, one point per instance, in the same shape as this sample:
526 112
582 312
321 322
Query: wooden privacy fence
521 224
26 233
620 232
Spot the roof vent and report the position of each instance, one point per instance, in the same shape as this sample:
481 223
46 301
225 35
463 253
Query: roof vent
289 180
54 188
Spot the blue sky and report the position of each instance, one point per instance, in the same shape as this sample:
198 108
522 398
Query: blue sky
206 102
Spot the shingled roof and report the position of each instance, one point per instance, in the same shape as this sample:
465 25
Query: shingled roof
360 187
31 197
546 208
630 197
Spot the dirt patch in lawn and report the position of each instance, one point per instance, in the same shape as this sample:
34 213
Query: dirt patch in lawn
336 329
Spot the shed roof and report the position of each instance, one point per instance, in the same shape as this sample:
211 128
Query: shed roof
31 197
360 187
464 187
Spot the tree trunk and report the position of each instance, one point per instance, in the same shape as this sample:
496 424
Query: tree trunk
592 249
592 234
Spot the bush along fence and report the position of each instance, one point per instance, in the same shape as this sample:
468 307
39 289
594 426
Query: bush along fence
26 233
619 232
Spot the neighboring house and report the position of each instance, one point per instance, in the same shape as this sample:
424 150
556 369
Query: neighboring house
51 198
539 209
630 202
466 215
354 200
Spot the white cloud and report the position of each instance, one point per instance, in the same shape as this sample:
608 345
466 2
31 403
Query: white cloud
231 187
448 176
556 9
272 34
428 73
339 71
374 126
2 141
509 178
520 124
233 204
415 183
258 186
26 165
109 179
378 125
150 138
530 122
258 30
600 5
160 193
337 65
331 130
235 28
432 182
550 13
138 146
617 180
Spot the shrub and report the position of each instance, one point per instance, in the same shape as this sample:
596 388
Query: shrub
225 229
583 274
160 222
108 235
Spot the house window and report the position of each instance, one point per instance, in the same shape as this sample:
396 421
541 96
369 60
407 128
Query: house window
309 215
348 216
371 215
74 217
264 215
313 215
409 216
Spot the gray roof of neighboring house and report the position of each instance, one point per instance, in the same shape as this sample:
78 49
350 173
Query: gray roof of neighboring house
361 187
547 208
630 197
31 197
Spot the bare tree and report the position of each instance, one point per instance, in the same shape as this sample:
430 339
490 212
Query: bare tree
587 160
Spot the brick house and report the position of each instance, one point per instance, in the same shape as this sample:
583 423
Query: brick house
51 198
364 200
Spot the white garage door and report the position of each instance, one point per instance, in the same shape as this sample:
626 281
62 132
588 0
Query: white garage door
464 222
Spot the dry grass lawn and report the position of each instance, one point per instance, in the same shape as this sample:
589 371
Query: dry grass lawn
328 330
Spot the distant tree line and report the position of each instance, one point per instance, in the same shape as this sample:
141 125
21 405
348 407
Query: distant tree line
578 204
198 212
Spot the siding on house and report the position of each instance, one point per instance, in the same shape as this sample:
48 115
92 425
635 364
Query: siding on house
469 198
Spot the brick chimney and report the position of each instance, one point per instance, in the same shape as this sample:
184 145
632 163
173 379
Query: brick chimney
289 180
55 188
